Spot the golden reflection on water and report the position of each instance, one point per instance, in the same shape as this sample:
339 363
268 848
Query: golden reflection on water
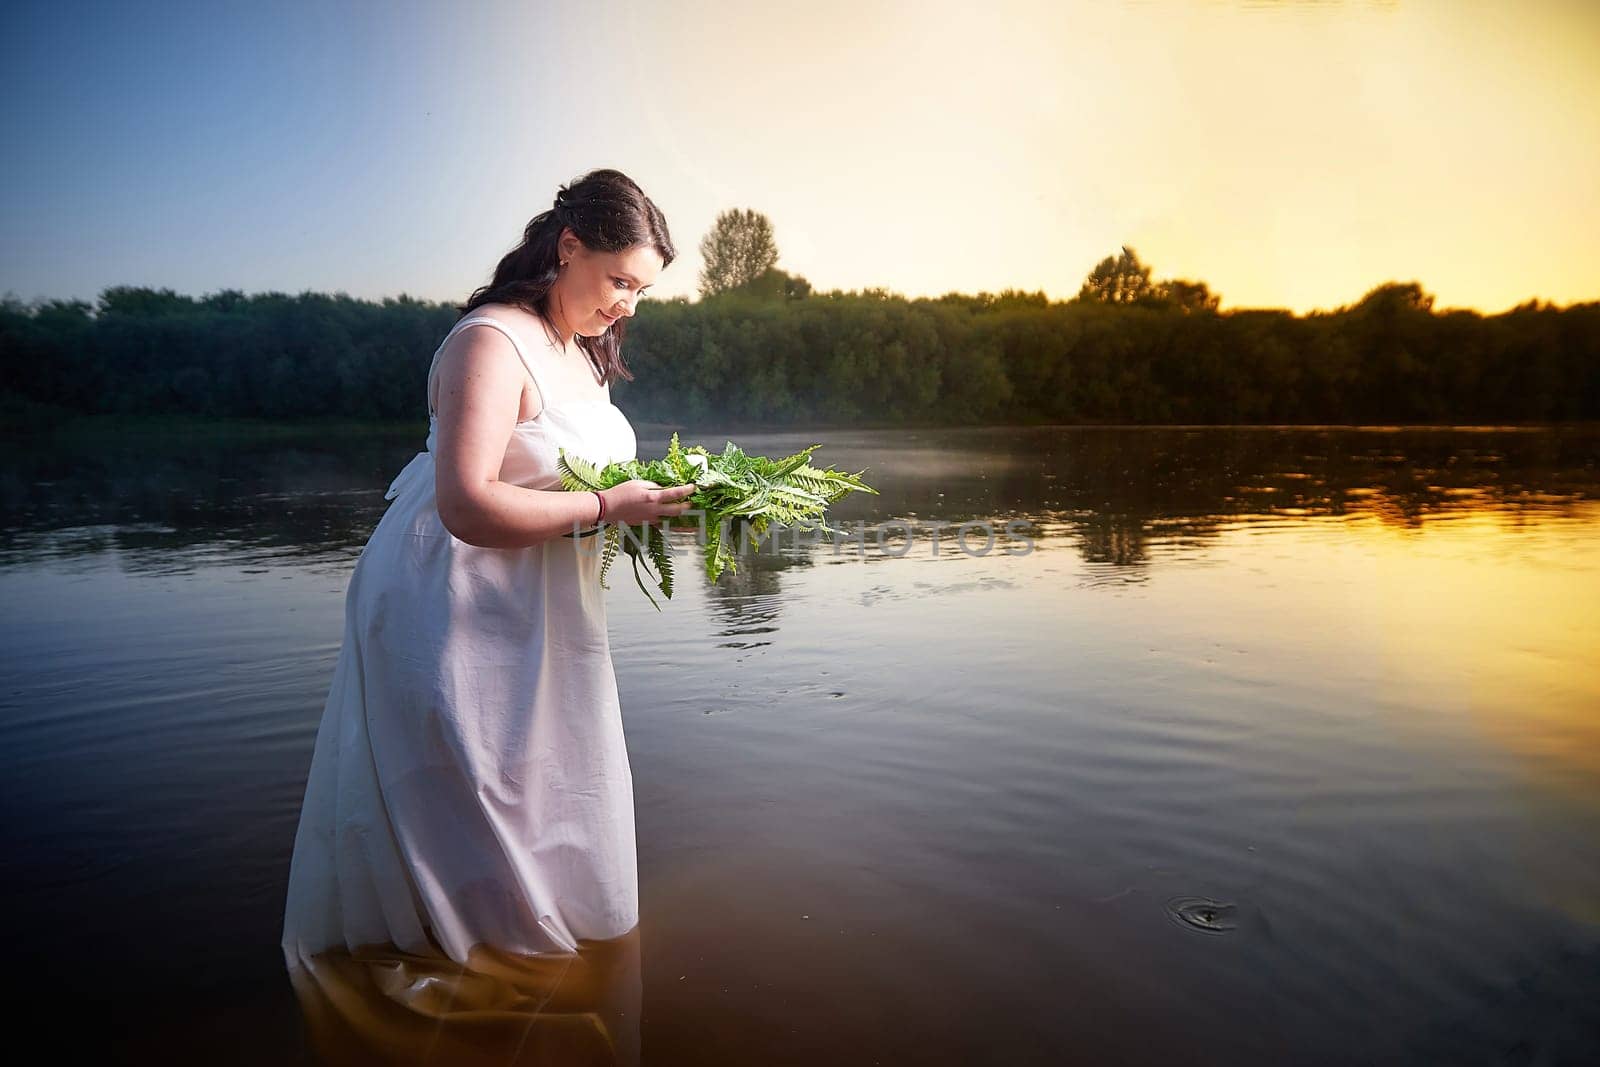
380 1005
1485 615
1500 626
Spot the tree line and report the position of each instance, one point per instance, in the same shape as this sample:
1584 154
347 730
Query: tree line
770 350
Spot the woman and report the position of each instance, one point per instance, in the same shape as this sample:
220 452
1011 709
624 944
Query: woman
470 784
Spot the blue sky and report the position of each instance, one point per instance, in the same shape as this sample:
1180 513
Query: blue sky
1290 155
256 146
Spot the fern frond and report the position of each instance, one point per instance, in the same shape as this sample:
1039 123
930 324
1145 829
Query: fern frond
661 555
781 468
577 474
613 538
747 493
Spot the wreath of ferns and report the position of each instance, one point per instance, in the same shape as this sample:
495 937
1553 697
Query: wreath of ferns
734 490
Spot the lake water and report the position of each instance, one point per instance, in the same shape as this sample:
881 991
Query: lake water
1277 745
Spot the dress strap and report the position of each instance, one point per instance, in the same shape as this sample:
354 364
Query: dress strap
484 320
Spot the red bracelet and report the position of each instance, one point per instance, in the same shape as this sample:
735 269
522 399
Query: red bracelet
602 500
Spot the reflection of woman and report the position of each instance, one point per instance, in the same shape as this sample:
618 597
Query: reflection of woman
470 784
388 1007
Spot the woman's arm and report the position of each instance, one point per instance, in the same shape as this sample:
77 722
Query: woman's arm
480 394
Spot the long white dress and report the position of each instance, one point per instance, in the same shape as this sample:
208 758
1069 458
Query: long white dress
470 782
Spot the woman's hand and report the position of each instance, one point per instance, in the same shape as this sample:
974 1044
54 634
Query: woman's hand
643 501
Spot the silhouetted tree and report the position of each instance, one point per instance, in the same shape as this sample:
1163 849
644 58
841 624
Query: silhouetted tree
1186 295
738 249
1396 298
133 300
834 358
775 284
1117 280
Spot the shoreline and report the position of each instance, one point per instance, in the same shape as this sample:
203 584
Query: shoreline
234 427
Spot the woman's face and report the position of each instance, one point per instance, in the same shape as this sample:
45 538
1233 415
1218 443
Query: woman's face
596 289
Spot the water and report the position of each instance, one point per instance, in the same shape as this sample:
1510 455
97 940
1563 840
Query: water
1280 745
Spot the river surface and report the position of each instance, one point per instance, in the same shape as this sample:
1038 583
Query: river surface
1250 746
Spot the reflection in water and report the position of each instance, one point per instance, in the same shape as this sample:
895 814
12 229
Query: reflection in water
746 605
1279 747
168 505
380 1005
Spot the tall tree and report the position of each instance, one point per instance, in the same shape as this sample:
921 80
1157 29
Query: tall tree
738 250
1119 280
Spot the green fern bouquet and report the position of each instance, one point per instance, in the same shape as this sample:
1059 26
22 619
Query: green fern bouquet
735 491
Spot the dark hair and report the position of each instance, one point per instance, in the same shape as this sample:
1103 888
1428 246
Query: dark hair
609 213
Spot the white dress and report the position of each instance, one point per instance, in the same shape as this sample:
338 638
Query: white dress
470 781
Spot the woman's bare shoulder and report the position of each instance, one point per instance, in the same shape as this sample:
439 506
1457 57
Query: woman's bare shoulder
519 319
526 329
519 323
490 310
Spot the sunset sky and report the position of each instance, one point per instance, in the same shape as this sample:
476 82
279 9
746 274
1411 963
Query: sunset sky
1289 154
